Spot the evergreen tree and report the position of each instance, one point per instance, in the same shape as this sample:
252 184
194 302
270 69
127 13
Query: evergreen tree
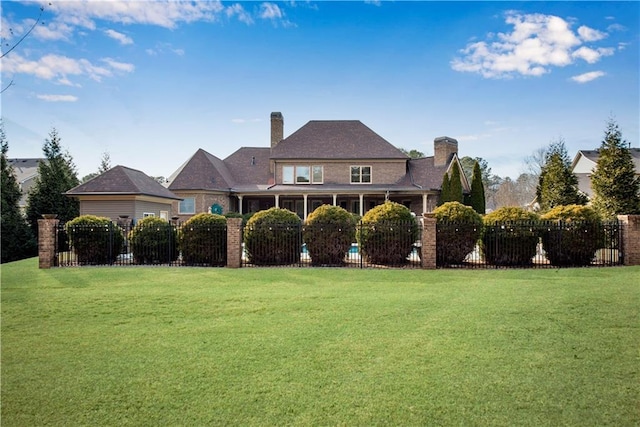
476 198
56 176
455 186
444 190
557 184
17 238
615 184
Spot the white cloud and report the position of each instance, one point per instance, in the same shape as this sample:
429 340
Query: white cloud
237 10
270 11
536 44
120 37
587 77
58 98
161 48
589 34
592 55
59 68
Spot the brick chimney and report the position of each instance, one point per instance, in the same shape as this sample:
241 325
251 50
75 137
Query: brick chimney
277 128
444 148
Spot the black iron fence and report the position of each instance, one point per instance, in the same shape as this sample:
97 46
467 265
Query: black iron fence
381 245
537 244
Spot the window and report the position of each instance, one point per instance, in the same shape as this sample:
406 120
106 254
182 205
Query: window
317 177
187 206
146 214
302 174
360 174
287 174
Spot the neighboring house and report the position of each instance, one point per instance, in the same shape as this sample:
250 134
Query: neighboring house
585 162
124 193
337 162
26 172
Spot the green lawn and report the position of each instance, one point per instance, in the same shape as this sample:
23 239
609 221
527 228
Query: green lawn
196 346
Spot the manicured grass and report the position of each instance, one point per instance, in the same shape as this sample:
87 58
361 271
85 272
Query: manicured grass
196 346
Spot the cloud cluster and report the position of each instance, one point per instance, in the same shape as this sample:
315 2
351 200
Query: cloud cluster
536 43
65 19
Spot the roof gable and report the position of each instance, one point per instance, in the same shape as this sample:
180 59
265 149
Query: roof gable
123 180
335 139
203 171
25 169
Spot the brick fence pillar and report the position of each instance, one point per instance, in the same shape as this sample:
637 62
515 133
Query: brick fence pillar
47 242
630 225
428 250
234 242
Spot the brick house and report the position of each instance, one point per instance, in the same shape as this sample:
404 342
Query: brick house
338 162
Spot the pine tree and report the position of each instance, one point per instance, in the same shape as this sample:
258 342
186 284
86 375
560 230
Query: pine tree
557 184
455 186
476 198
615 184
444 190
56 176
17 238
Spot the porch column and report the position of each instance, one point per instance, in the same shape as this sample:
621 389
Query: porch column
304 197
361 204
424 203
335 200
277 196
240 204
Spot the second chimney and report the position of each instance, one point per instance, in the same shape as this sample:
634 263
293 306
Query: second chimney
277 128
444 148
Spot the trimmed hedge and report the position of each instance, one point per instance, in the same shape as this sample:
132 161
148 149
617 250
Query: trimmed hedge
387 234
154 241
510 237
273 237
458 229
328 233
573 236
94 239
203 240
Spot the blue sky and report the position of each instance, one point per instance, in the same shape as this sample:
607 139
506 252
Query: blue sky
152 82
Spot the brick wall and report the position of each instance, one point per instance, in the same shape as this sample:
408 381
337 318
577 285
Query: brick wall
630 238
234 242
428 241
47 231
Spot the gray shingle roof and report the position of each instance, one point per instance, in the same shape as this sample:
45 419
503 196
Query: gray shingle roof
425 174
203 171
123 180
335 139
250 166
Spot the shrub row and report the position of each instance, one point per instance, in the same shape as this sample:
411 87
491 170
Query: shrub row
509 236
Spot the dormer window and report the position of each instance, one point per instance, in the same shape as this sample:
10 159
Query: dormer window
361 174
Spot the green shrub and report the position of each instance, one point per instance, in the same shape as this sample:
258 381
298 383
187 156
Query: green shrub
572 235
458 229
272 237
94 239
510 236
153 241
203 240
328 233
387 234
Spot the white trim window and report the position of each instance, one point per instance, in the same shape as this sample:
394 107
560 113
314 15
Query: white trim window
147 214
302 174
361 174
187 206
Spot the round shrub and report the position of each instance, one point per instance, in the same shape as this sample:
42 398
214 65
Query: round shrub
328 233
458 230
203 240
153 241
510 236
272 237
94 239
387 234
572 235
